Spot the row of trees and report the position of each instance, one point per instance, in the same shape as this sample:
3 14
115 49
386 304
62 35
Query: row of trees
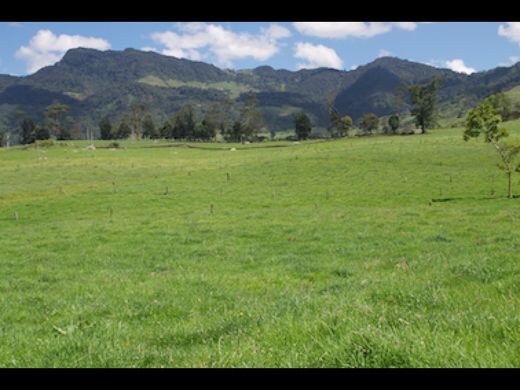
244 125
423 99
55 124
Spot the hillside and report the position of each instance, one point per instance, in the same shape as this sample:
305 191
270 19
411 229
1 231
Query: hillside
98 83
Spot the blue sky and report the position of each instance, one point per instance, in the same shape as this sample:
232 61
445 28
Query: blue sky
462 46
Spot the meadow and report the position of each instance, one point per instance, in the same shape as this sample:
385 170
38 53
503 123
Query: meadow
386 251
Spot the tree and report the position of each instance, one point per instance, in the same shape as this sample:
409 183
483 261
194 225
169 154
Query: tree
502 105
214 120
166 130
369 123
41 133
302 125
250 118
137 111
207 130
234 133
27 135
184 127
339 126
424 104
393 123
149 130
485 119
52 120
124 130
105 129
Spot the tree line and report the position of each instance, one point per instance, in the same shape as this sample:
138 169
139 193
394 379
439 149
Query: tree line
238 124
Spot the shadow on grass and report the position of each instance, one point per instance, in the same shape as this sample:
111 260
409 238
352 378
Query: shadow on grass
437 200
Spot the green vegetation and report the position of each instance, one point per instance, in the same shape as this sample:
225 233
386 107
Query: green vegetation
233 88
424 104
486 118
358 252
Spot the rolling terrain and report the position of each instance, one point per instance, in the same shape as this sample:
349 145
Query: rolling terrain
311 254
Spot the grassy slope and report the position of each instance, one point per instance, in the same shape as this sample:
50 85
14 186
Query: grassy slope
318 254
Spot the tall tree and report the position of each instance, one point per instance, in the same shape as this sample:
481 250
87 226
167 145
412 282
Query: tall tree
149 130
302 125
52 119
27 135
339 126
135 118
393 123
424 103
369 123
502 105
485 119
166 130
105 128
250 117
184 127
124 130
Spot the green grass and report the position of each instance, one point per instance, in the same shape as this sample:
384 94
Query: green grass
233 88
316 254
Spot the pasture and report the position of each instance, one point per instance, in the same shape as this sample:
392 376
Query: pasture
317 254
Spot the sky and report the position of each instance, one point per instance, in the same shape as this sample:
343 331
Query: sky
466 47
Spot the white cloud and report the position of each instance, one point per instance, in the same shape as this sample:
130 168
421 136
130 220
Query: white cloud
45 48
15 25
317 56
457 65
512 61
350 29
511 31
220 44
384 53
410 26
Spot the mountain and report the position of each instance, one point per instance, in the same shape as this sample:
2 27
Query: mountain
97 83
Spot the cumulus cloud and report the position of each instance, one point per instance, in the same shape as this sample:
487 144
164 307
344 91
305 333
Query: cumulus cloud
197 41
511 31
350 29
317 56
46 48
457 65
384 53
512 61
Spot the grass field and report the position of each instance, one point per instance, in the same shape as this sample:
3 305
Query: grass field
318 254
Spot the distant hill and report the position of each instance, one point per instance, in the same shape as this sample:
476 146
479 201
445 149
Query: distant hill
98 83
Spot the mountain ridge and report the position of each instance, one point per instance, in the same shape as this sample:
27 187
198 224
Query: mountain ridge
97 83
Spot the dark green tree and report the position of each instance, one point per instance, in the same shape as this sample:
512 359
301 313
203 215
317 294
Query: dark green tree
27 135
149 129
105 129
302 125
184 127
166 130
369 123
424 104
41 133
393 123
124 130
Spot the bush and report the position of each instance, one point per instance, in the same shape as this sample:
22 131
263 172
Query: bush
44 143
114 145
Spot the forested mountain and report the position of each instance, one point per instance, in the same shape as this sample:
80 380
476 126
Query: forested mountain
96 83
